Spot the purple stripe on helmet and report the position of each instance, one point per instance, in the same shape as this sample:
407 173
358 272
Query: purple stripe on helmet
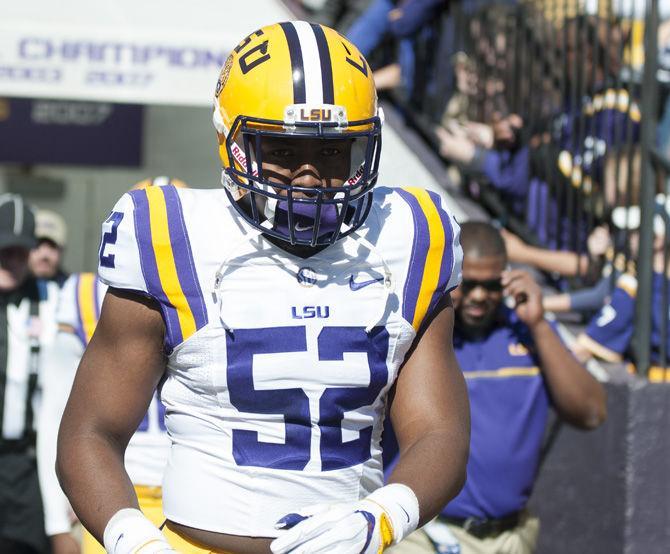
183 257
417 261
80 322
446 266
152 281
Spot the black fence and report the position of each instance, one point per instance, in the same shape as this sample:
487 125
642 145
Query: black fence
576 90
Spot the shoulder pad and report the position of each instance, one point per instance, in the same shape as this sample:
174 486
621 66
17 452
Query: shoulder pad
146 248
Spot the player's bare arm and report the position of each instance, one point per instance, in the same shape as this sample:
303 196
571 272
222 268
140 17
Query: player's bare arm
578 397
112 390
431 418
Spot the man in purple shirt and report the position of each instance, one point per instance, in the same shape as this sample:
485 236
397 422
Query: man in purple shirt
515 366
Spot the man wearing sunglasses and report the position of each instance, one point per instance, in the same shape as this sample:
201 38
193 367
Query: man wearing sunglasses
515 367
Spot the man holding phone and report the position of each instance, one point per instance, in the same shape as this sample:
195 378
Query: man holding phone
515 366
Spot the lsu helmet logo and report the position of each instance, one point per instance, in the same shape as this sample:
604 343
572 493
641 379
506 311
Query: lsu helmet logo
316 114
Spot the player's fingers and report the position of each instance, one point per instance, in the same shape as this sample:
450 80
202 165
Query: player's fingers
349 536
292 519
306 530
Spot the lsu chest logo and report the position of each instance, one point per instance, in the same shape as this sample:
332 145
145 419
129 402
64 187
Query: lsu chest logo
310 312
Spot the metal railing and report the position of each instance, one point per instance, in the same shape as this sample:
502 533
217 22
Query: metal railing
586 87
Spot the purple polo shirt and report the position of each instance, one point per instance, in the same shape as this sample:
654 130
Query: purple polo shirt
509 406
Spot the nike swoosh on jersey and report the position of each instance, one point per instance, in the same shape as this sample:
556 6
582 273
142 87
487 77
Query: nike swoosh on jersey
300 228
353 285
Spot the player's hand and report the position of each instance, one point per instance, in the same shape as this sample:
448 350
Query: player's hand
368 526
358 528
64 543
526 293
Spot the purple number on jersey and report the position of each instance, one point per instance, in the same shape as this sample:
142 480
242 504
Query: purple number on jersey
107 260
293 403
333 343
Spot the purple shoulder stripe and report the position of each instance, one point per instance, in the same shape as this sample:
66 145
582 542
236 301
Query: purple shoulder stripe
183 256
150 268
417 262
446 267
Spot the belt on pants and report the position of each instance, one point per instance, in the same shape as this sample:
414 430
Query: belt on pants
484 528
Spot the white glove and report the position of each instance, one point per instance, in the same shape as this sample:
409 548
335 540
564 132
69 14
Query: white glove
130 532
366 527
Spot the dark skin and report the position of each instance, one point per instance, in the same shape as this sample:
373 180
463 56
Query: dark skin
64 543
124 362
578 397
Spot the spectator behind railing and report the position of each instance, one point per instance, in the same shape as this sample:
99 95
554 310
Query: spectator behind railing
339 14
594 266
608 336
400 20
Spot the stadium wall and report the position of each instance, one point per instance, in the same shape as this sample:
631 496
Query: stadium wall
607 491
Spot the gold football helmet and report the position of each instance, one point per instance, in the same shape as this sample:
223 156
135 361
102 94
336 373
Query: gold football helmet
296 81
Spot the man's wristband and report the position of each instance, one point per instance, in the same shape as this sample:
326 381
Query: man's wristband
402 507
130 532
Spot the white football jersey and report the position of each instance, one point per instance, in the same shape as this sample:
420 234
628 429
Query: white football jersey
278 366
79 307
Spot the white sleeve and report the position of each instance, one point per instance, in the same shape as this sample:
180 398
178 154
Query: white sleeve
61 361
120 259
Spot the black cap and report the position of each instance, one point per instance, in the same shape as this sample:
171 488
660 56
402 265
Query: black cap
17 222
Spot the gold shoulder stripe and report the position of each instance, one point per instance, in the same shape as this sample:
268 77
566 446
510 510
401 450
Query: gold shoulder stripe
165 262
431 268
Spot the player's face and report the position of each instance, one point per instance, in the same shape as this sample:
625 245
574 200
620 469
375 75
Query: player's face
478 297
13 267
306 162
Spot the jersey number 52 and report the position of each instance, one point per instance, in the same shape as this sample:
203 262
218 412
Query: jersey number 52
293 403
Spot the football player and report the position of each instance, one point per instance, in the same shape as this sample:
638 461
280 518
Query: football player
283 316
145 458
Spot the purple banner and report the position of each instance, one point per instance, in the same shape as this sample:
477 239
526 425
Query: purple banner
69 132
